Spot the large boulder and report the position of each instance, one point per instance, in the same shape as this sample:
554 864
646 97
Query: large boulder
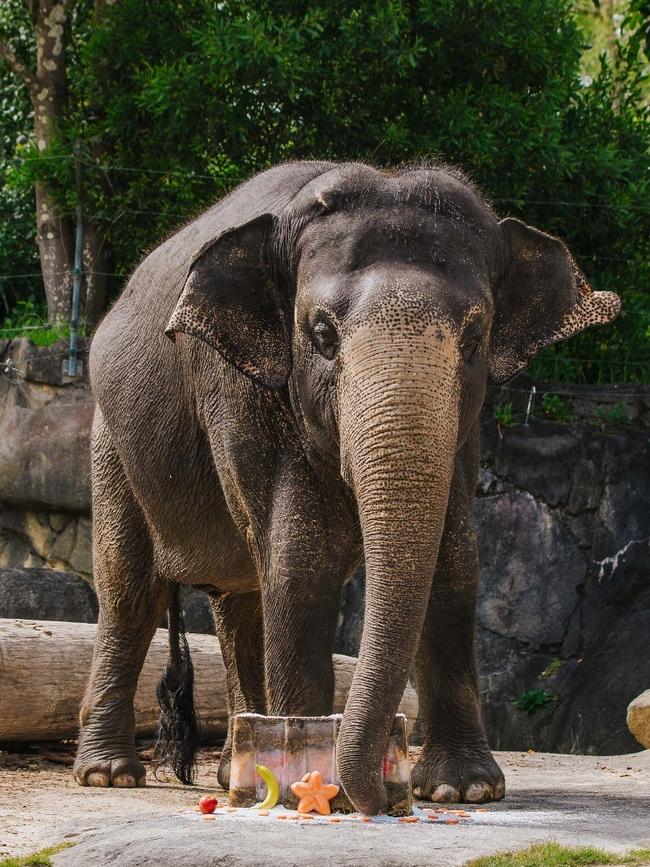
638 718
42 594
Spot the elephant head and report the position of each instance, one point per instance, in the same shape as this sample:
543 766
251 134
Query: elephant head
385 302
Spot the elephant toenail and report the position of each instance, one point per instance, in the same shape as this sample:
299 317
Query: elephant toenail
97 778
142 781
446 794
124 781
499 790
477 793
417 791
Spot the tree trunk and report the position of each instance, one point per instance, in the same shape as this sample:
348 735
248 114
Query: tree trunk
45 667
54 230
95 263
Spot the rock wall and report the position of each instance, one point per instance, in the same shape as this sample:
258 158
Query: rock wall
564 533
44 461
564 609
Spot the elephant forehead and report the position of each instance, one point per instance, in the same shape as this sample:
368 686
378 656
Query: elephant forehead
354 237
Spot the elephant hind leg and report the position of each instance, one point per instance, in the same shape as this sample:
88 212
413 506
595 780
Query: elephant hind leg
238 619
132 601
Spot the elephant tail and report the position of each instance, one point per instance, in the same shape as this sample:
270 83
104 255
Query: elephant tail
178 727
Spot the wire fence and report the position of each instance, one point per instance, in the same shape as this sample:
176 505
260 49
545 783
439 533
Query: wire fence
639 368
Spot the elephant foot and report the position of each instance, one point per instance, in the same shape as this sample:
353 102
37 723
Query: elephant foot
447 776
125 771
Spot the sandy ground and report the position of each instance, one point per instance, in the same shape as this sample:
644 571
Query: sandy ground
574 799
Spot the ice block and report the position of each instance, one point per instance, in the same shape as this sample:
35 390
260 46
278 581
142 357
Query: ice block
294 746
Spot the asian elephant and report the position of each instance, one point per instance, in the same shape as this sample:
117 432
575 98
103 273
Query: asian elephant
288 384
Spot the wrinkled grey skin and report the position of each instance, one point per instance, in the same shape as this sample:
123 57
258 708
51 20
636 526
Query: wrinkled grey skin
333 331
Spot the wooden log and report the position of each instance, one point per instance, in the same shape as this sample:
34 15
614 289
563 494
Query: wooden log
44 667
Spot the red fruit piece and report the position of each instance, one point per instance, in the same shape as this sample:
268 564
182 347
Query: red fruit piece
208 804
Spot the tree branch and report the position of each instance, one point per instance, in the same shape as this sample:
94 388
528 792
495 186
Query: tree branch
17 66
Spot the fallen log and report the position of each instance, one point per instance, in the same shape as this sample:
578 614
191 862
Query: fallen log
44 666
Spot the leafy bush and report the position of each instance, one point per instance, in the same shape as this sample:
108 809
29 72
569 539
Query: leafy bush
554 408
503 414
618 413
532 700
29 319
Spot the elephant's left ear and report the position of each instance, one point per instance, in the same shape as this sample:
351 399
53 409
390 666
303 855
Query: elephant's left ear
230 301
542 298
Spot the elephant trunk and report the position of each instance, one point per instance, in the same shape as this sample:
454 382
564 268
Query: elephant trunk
398 427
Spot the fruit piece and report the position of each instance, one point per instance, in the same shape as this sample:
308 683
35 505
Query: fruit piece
208 804
408 819
272 787
314 794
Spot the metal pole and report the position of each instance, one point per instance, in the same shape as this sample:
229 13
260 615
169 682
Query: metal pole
531 398
75 367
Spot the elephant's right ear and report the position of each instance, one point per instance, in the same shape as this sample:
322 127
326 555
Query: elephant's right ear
230 301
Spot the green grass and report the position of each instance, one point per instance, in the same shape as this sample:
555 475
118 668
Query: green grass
38 859
554 855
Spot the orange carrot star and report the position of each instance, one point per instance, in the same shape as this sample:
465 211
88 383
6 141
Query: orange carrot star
314 794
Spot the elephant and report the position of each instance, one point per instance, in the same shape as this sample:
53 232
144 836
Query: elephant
289 384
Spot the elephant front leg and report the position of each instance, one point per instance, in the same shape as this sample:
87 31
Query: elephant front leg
456 763
308 562
238 618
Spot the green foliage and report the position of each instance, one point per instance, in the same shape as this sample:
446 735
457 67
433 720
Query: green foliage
29 319
176 102
38 859
617 413
554 408
18 254
503 414
532 700
556 855
552 668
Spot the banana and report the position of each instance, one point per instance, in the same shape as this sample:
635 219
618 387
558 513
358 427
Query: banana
272 787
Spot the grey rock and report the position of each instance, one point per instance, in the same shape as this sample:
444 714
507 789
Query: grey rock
44 446
538 458
43 594
531 569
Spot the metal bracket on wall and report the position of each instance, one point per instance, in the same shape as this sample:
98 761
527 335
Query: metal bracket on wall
72 368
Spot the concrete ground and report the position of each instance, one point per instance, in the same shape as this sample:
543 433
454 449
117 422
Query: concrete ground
576 800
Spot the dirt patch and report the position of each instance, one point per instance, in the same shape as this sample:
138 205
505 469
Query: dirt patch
604 799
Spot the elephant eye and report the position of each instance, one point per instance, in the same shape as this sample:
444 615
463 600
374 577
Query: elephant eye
325 338
470 344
